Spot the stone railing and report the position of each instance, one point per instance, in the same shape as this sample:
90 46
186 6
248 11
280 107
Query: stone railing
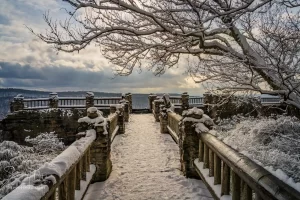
270 100
226 172
62 174
68 175
20 103
169 123
179 103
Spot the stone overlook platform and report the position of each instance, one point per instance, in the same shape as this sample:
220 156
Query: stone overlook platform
146 165
168 153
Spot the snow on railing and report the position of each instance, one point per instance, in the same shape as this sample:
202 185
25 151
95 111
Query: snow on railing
173 125
69 174
227 173
62 175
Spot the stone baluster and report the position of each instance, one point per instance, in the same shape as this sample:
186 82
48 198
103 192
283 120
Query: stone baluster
53 100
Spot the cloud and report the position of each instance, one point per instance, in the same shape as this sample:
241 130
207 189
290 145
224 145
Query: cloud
60 78
4 20
27 62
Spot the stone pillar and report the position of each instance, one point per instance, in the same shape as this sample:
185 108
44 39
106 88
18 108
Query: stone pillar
167 101
210 102
100 148
163 118
121 119
53 100
151 98
189 142
126 109
89 100
17 104
156 107
185 101
100 155
112 109
128 98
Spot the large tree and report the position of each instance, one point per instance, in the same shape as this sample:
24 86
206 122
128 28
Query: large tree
233 44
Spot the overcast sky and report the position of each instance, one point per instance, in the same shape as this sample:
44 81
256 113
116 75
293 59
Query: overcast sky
26 62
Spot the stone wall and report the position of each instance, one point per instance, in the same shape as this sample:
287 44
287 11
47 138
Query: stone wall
18 125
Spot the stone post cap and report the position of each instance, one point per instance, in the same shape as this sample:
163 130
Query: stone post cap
90 94
185 93
123 101
19 97
207 93
53 95
92 112
195 113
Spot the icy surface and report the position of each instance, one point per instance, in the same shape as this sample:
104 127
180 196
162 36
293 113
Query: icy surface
146 167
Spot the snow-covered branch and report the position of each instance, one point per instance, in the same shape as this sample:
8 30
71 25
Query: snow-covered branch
237 44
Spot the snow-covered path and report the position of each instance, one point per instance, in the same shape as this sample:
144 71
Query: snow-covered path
146 167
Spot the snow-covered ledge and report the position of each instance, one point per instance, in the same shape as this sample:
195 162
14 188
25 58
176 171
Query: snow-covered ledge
64 173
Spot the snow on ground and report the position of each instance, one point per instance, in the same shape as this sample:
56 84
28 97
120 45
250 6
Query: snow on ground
146 166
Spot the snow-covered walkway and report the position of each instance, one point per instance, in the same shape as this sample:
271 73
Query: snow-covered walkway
146 167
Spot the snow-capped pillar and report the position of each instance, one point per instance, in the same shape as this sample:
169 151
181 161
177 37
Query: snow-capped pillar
89 100
100 154
123 111
185 101
126 109
151 98
128 97
101 146
193 120
156 107
112 109
17 104
163 118
53 100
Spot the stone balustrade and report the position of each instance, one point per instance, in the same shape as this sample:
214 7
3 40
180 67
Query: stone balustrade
54 101
87 159
226 172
